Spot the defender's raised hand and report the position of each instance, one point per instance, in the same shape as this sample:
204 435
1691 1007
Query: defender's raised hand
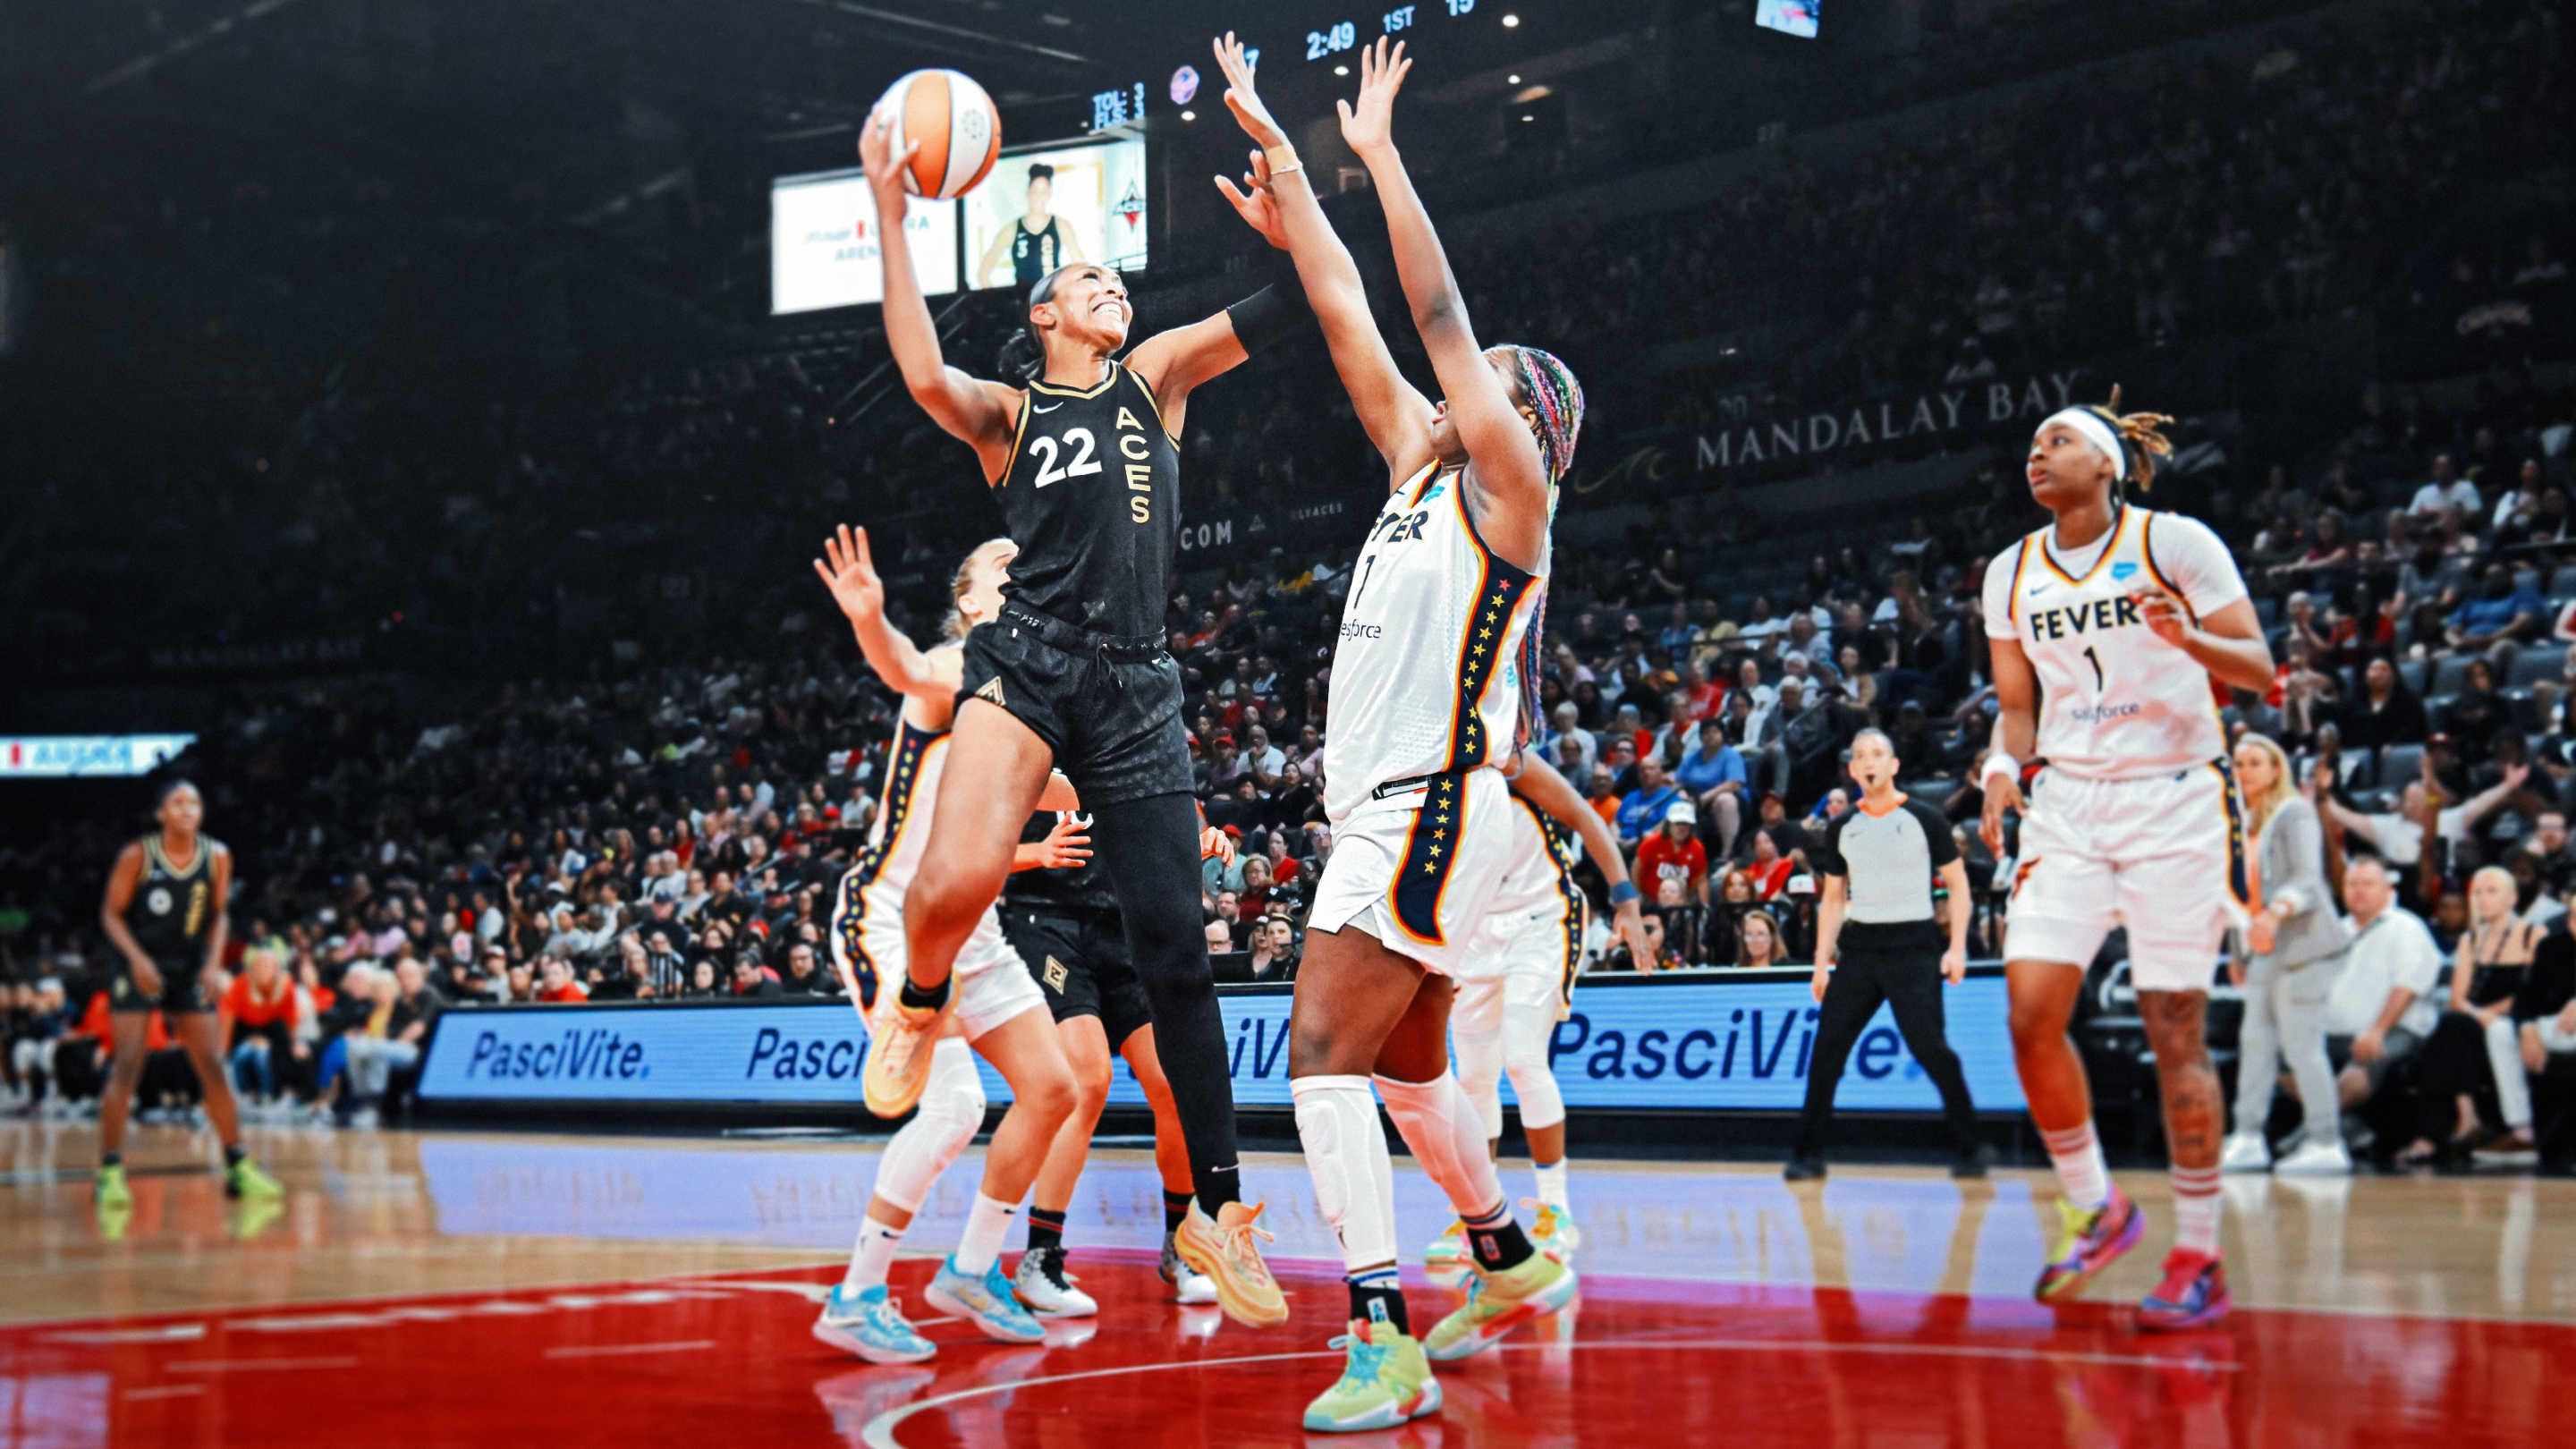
1369 125
851 575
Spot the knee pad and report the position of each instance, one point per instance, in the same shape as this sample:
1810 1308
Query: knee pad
1346 1156
1526 1033
951 1110
1479 1057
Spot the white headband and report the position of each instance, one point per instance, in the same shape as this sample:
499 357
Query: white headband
2097 432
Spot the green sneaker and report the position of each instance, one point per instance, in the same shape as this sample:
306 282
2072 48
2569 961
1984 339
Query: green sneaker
113 1194
1499 1302
1384 1382
248 1179
1553 1231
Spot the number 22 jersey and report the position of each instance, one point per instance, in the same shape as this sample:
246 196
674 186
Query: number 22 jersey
2116 702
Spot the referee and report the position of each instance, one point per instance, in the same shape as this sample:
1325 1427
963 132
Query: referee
1878 861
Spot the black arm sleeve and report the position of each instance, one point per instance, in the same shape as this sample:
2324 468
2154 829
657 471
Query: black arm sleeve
1275 312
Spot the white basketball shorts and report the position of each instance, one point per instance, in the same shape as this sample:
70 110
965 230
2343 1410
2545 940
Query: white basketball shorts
2163 856
1423 870
867 945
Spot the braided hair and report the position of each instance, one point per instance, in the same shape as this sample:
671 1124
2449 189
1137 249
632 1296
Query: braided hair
1546 386
2141 436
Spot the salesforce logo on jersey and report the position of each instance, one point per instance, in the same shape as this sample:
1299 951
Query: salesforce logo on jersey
1735 1045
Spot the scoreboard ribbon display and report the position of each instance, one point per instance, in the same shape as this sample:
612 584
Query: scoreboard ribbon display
1705 1045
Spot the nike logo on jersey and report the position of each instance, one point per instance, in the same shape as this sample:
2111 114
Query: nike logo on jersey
2093 616
992 690
1050 407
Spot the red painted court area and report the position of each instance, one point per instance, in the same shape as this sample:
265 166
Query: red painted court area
727 1359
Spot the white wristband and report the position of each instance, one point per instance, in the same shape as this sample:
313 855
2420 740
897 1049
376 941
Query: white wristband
1999 763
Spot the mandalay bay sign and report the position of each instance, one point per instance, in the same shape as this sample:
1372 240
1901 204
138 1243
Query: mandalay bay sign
1955 410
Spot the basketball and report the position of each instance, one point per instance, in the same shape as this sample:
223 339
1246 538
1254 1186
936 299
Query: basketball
953 121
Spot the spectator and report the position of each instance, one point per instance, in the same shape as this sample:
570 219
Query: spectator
2295 943
2474 1059
1648 804
2447 491
1673 853
1713 775
256 1020
2387 713
555 983
1274 953
2499 619
1757 941
753 978
2380 1008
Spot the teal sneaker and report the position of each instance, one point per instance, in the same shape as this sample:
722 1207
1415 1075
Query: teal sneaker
1386 1380
870 1326
986 1302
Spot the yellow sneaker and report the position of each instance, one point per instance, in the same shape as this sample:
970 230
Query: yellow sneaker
1224 1250
1385 1382
113 1194
1499 1302
901 1038
247 1179
1553 1231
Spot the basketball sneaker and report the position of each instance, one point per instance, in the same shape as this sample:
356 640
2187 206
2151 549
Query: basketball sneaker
248 1179
986 1302
1385 1382
870 1326
1224 1249
2245 1152
2092 1241
1047 1289
899 1045
1553 1231
1187 1283
113 1194
1499 1302
2193 1294
2315 1159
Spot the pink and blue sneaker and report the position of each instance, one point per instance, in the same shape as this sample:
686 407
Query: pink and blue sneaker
2193 1294
2092 1242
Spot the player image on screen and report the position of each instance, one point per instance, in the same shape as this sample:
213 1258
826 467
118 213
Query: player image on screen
1044 210
1428 678
2105 628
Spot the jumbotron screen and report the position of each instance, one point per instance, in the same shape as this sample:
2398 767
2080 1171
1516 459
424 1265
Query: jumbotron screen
1789 17
823 243
1054 205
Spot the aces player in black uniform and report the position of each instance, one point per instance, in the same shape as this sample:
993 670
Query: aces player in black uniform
165 914
1079 451
1063 921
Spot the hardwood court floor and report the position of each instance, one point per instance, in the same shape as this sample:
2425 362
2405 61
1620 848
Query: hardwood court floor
448 1288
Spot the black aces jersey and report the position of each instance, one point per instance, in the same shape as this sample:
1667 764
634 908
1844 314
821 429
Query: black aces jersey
1092 497
1034 253
172 908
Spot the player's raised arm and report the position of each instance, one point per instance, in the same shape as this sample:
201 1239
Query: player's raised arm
1278 200
1538 782
851 575
981 414
1498 438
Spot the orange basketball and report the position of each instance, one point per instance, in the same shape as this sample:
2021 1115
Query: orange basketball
959 132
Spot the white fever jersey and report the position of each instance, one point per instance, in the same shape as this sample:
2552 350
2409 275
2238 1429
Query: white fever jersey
1426 676
2116 702
896 842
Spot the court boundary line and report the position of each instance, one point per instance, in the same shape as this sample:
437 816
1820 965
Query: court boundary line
878 1433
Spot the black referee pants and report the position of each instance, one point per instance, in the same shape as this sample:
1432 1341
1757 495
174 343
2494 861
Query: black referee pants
1908 979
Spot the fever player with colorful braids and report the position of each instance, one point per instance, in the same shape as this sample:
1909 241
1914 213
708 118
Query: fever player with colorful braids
1427 684
2106 628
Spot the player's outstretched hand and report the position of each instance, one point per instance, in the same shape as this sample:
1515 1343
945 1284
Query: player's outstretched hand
1216 845
1066 846
1254 203
851 575
1370 125
1242 98
877 155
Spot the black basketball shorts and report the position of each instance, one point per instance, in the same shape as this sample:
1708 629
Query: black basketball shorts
1080 962
1109 707
183 989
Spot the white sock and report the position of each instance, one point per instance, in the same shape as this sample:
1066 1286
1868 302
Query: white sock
987 1224
1346 1156
871 1256
2077 1154
2196 1201
1551 1185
